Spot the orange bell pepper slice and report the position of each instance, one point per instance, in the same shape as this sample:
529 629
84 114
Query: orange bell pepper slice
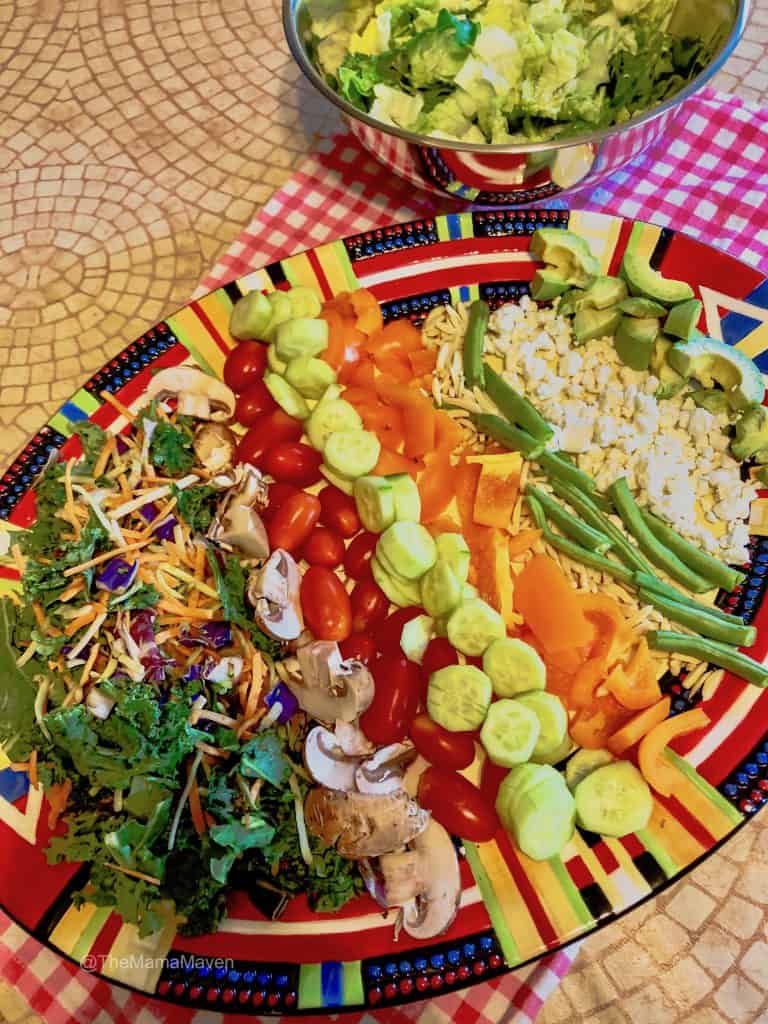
590 731
359 375
341 304
393 462
419 426
443 525
587 680
635 686
615 635
367 310
335 350
550 607
393 366
634 730
436 486
448 433
657 771
422 361
400 332
522 542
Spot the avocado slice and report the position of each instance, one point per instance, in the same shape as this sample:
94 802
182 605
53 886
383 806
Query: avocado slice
589 324
644 280
570 303
712 399
713 362
634 341
567 252
547 284
635 306
682 319
605 291
671 382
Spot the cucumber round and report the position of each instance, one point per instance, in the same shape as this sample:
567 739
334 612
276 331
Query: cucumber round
407 498
441 591
274 362
565 750
458 697
352 453
347 486
304 301
280 312
542 819
514 667
287 398
453 549
302 336
403 593
415 637
375 500
309 376
468 592
553 720
474 625
613 800
583 763
328 416
521 778
409 548
250 315
509 733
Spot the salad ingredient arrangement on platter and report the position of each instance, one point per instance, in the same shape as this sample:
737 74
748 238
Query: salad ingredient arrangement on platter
504 73
205 670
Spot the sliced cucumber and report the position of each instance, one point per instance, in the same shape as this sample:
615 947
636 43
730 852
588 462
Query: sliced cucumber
311 377
352 453
407 499
542 818
614 800
375 500
514 667
403 593
468 592
520 779
553 720
458 697
304 301
453 548
303 336
274 362
415 636
565 750
250 316
474 625
441 592
280 312
408 548
509 733
583 763
347 486
328 416
287 398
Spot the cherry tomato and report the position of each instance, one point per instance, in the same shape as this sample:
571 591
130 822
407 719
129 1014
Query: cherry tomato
292 523
276 495
439 654
269 430
293 463
357 561
454 750
360 646
458 805
395 701
254 403
244 365
339 512
323 547
389 632
369 605
325 603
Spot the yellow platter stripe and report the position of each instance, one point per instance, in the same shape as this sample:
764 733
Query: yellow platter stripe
9 586
627 879
598 872
71 927
554 899
336 265
755 343
298 270
218 308
192 334
670 842
602 233
511 903
643 239
257 280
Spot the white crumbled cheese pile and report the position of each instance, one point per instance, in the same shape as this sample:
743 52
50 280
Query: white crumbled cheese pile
674 455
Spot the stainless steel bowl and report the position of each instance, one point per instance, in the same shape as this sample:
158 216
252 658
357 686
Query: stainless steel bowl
488 175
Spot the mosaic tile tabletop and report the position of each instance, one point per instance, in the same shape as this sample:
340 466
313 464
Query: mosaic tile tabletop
137 138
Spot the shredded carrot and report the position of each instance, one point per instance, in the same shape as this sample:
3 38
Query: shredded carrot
104 456
184 610
125 487
200 561
117 404
161 515
72 591
82 620
70 507
58 795
133 874
196 809
19 559
124 550
37 611
88 666
211 751
523 542
34 780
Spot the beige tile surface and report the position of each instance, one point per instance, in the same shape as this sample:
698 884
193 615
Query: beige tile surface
137 138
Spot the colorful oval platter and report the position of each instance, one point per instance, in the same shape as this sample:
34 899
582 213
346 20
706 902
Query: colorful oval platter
513 909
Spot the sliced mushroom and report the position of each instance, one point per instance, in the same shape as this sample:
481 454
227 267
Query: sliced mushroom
237 523
384 772
329 688
214 446
198 394
326 762
361 824
273 590
98 703
352 739
425 881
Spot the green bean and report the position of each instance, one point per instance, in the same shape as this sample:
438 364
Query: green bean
712 651
473 343
568 523
658 586
511 437
705 625
558 468
658 553
515 407
588 511
576 551
706 565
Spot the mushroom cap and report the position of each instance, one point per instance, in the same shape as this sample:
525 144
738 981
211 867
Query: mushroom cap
431 912
361 824
352 740
273 590
331 689
214 446
384 771
326 761
198 393
237 523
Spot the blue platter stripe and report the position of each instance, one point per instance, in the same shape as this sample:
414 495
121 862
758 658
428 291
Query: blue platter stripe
454 225
736 326
72 413
13 785
332 983
464 293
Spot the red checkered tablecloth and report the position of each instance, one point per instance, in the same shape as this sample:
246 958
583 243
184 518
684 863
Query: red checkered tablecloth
709 179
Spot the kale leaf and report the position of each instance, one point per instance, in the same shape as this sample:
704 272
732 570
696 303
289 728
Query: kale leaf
93 439
231 583
196 506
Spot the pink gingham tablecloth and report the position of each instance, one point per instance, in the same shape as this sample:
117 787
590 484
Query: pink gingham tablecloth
710 179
